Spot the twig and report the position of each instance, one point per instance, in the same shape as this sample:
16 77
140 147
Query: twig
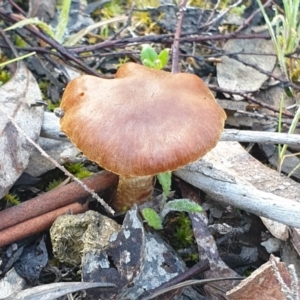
188 283
16 6
221 15
51 129
261 137
62 50
38 224
56 164
56 198
232 176
250 18
175 47
201 14
198 268
260 70
9 43
249 98
74 39
165 38
212 13
127 24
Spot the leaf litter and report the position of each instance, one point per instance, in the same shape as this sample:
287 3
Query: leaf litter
131 273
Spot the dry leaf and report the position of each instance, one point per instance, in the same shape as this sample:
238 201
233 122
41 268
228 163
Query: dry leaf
235 75
14 148
271 281
42 9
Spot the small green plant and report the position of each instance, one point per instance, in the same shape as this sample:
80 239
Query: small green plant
4 77
143 4
152 59
12 199
154 219
51 106
122 61
59 31
239 10
33 21
284 30
63 20
183 235
111 10
53 184
78 170
104 32
16 59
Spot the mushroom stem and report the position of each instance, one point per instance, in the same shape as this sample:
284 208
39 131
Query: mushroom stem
132 190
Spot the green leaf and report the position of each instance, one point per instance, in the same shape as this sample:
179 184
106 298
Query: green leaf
180 205
32 21
152 218
163 56
165 179
63 20
148 63
148 54
157 64
16 59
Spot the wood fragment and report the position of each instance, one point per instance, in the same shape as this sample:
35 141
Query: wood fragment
228 173
55 199
271 281
262 137
38 224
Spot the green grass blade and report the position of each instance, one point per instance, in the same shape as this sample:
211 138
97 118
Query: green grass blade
63 20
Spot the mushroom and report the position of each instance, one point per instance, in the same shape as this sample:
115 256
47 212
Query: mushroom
141 123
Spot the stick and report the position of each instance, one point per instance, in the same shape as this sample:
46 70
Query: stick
175 47
55 199
38 224
50 129
231 176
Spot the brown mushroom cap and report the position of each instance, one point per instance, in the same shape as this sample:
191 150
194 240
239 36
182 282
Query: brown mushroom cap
143 122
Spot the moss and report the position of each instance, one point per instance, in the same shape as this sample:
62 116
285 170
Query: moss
78 170
20 42
183 231
53 184
12 199
4 77
143 4
178 232
223 4
43 85
51 106
112 9
194 257
122 61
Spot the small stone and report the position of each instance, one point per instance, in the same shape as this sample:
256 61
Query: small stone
272 245
73 235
